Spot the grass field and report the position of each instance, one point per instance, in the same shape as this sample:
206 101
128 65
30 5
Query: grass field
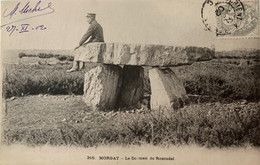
65 120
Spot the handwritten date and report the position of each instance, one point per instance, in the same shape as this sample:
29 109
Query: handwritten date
23 28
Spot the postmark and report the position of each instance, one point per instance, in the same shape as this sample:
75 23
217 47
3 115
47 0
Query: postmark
231 18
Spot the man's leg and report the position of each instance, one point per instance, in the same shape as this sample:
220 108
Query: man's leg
75 67
81 65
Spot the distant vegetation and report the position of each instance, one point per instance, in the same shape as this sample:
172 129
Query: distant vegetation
49 55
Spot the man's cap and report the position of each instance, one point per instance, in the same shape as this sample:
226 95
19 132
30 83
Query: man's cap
91 15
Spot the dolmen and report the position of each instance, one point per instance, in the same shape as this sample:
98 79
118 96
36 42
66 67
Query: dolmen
118 78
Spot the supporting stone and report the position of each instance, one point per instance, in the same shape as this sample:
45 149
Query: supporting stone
167 89
101 86
132 86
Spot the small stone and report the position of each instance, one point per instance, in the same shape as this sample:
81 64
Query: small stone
209 112
244 102
145 102
217 104
138 111
144 107
84 119
64 120
12 98
114 114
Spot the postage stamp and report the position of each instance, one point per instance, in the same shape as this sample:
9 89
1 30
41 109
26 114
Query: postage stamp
231 18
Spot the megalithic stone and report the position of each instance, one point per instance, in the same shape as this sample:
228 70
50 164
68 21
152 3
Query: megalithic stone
132 86
167 89
141 54
101 86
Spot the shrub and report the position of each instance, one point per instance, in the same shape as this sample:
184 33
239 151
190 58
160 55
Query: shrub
21 55
61 58
45 55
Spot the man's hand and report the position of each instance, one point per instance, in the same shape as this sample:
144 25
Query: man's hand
77 47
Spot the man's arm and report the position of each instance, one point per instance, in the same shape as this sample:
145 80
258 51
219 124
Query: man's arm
87 34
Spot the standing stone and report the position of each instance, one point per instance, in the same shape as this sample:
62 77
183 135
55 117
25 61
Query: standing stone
132 86
101 86
167 89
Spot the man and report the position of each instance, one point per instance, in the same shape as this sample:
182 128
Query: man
95 33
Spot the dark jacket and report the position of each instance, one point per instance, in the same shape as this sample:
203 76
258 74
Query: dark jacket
95 31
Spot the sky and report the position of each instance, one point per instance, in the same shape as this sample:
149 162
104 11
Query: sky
164 22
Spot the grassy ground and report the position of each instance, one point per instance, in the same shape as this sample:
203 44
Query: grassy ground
65 120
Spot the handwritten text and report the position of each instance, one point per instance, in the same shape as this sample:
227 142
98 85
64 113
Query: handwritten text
23 28
28 10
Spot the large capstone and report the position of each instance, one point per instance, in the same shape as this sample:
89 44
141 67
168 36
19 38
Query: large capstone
132 86
101 86
167 89
142 55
